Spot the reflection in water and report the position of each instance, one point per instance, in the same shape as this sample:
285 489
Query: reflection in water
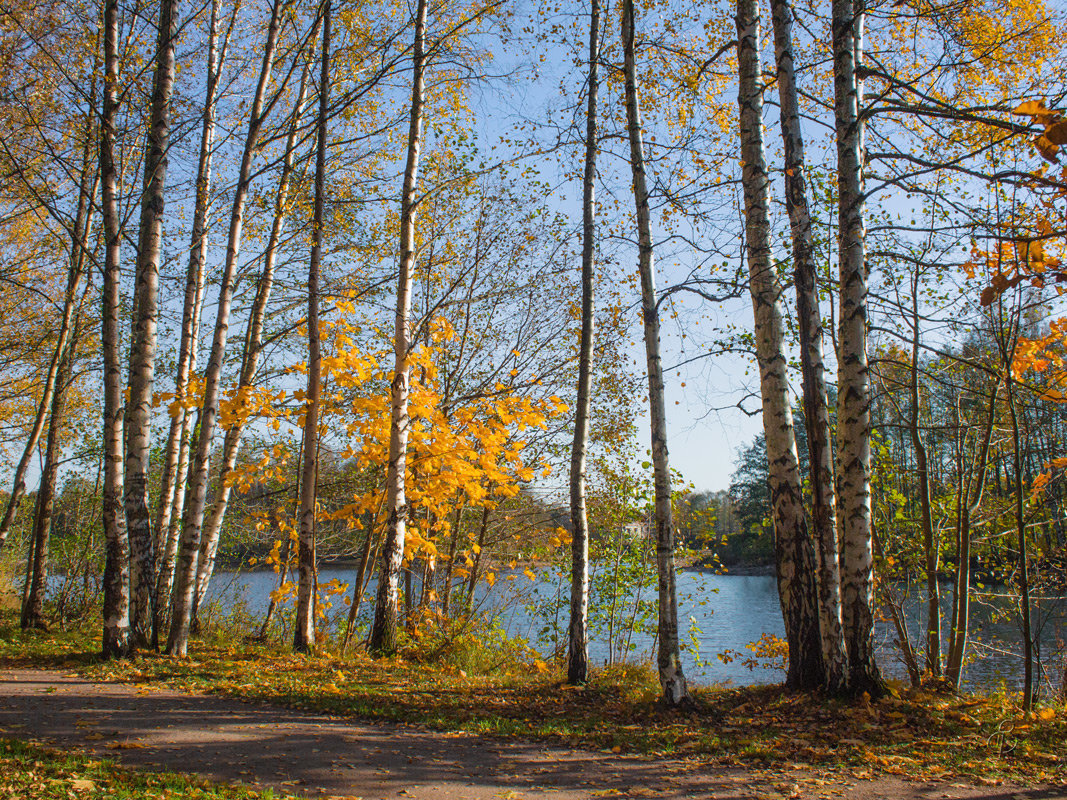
727 612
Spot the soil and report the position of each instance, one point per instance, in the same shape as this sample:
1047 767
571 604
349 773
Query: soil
314 755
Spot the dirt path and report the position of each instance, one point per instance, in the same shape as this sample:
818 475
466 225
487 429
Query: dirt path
316 755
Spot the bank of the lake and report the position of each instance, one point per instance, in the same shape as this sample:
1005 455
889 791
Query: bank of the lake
720 613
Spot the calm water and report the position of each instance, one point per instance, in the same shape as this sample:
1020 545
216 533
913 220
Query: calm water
725 612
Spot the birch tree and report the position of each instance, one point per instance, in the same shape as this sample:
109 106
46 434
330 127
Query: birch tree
668 659
143 346
176 453
578 637
304 633
793 551
383 637
116 607
193 517
854 412
253 349
825 587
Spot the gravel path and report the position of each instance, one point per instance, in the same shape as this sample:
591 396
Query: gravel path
320 756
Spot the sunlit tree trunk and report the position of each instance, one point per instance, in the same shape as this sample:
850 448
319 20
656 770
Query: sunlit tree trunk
792 541
669 658
383 637
116 607
854 407
824 584
304 634
253 348
176 453
143 346
578 634
196 491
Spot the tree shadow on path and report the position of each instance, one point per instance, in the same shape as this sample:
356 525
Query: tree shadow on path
313 754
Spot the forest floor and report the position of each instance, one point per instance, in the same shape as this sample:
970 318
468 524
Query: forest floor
247 714
259 745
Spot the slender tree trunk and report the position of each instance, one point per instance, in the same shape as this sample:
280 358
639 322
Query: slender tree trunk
669 658
79 248
304 635
930 547
472 579
824 586
33 607
357 589
961 622
383 639
272 606
578 634
1023 567
450 568
854 407
253 348
182 598
116 608
787 499
177 449
143 347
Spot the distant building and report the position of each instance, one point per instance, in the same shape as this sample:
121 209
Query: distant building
637 531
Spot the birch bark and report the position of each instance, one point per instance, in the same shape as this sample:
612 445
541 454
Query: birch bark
823 588
854 411
33 607
116 607
143 346
578 634
193 518
792 540
668 659
384 631
176 454
304 634
922 471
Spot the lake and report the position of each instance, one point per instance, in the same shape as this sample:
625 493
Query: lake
725 612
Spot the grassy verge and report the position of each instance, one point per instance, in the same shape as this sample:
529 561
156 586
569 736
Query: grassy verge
37 773
917 733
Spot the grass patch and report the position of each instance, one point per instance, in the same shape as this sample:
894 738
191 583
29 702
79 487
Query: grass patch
38 773
915 733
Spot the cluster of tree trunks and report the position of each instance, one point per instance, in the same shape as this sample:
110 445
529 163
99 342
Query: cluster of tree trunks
825 585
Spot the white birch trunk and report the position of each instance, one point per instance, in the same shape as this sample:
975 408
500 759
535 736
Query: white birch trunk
176 454
304 633
578 634
116 607
384 630
196 492
792 541
669 659
143 347
253 348
824 588
854 412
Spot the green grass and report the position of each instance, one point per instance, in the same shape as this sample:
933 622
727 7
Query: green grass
37 773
